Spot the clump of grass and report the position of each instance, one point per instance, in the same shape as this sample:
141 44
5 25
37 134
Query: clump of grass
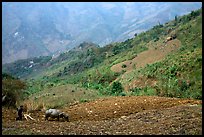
31 105
82 100
145 91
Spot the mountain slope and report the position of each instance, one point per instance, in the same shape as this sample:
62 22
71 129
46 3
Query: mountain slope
164 94
175 68
49 28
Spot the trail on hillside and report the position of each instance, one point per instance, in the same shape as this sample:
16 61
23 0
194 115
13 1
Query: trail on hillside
115 115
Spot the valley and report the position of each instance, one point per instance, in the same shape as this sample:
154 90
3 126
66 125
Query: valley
53 28
145 85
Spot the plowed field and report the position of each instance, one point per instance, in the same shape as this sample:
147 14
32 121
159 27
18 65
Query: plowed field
115 115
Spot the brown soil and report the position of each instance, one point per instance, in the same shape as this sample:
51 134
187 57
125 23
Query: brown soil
153 54
149 56
140 82
115 115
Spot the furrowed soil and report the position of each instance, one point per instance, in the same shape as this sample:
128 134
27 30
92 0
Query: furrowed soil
138 115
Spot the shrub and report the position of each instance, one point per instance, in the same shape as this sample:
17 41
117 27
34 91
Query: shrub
156 39
182 48
83 100
137 89
124 66
13 91
116 88
199 59
183 85
122 94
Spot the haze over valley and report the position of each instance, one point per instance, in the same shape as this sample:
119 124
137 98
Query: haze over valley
31 29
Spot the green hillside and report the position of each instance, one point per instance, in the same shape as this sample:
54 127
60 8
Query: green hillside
88 66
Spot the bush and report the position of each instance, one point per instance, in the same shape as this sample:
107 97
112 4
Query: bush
13 91
116 88
183 86
124 66
182 48
82 100
195 13
122 94
156 39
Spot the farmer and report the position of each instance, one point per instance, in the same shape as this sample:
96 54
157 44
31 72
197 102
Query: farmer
20 113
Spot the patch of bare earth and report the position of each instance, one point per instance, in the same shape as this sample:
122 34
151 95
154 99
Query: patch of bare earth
140 82
115 115
149 56
152 55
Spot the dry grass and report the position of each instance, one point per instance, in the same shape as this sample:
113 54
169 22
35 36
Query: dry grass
149 56
60 96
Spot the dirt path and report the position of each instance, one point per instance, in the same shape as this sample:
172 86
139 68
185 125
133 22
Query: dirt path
116 115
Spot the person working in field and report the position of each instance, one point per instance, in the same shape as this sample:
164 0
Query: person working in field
20 113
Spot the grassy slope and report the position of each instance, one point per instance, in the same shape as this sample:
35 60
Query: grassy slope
60 96
179 75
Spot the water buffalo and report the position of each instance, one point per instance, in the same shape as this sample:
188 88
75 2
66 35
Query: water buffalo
54 113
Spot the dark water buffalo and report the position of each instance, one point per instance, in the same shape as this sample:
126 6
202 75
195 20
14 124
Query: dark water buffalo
54 113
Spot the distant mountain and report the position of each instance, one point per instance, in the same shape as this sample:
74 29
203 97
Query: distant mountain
36 29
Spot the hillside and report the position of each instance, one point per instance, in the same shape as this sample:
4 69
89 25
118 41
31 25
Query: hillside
52 28
138 58
150 84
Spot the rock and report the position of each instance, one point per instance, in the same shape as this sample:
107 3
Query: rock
123 117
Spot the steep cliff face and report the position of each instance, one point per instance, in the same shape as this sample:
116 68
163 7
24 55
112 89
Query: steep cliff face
35 29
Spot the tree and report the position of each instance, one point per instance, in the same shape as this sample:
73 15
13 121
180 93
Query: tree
159 23
12 88
194 13
176 18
